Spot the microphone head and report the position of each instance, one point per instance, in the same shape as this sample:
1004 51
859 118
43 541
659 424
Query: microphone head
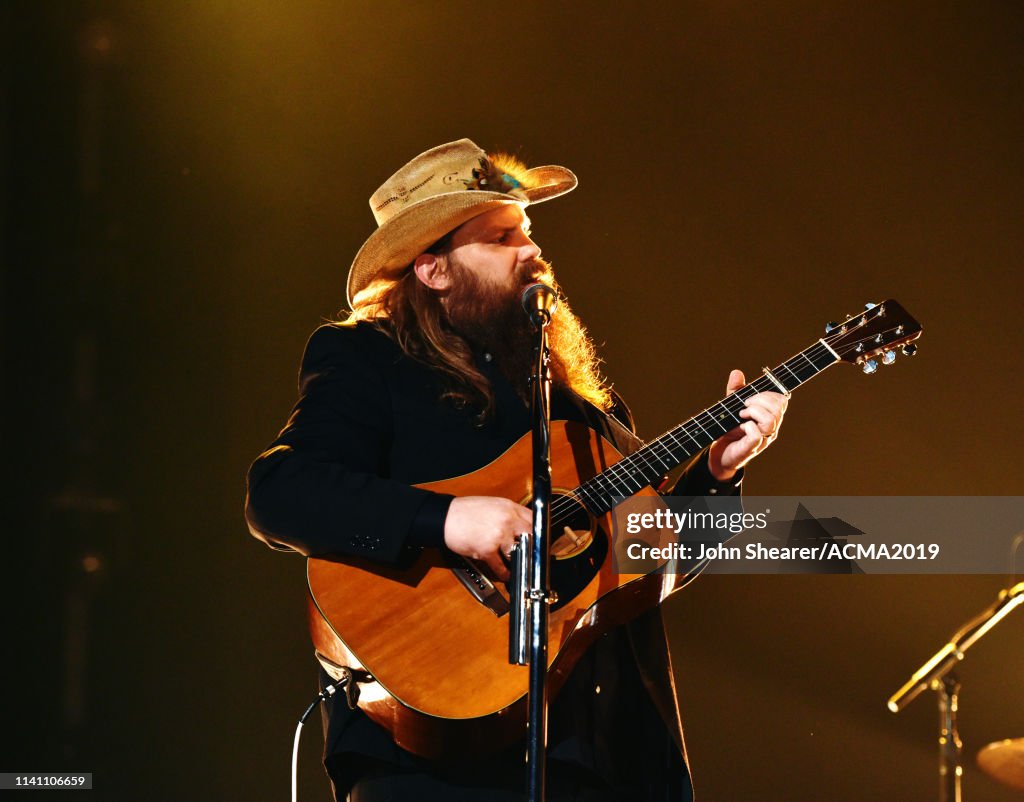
540 302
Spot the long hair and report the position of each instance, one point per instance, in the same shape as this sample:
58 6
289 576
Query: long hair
412 314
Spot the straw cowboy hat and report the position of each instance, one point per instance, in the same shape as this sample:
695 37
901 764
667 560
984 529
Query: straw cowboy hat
436 193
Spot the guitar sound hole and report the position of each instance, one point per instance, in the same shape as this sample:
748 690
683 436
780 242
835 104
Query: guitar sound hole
578 549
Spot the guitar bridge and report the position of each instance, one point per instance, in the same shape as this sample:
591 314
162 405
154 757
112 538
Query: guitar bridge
479 586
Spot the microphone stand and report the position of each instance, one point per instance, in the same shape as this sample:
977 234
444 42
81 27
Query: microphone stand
530 587
938 675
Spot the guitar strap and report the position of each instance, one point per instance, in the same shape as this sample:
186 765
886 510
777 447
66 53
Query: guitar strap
617 425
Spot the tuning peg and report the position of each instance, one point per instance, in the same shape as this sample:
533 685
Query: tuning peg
869 306
831 326
870 366
888 357
909 349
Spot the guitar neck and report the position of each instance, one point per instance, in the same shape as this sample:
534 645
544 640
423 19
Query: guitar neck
647 465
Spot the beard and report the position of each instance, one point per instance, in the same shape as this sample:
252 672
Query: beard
491 318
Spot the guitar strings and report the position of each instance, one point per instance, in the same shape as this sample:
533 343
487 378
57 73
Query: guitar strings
703 421
626 467
647 457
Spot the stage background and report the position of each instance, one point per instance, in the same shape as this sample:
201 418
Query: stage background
185 186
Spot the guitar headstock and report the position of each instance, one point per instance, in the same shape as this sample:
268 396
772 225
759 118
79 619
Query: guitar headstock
879 330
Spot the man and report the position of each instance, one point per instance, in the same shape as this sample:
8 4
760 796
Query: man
425 381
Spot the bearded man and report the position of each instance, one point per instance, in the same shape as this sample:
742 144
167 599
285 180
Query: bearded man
427 380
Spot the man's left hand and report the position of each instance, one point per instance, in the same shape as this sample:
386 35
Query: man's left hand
763 417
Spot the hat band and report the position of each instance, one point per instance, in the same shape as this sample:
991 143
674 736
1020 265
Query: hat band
403 194
477 174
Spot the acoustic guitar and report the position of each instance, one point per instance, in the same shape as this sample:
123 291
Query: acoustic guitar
428 641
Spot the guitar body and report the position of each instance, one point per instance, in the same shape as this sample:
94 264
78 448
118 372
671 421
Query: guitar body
438 656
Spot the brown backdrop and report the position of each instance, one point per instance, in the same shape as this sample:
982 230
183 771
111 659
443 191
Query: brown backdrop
186 184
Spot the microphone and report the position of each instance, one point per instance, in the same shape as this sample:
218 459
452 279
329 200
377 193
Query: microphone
540 303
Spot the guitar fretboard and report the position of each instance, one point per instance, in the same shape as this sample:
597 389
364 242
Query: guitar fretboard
647 465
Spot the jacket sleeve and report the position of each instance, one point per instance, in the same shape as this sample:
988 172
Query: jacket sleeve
322 487
697 480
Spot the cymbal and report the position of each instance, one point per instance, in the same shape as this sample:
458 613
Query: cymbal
1004 760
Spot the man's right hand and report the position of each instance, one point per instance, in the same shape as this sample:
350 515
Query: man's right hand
485 528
